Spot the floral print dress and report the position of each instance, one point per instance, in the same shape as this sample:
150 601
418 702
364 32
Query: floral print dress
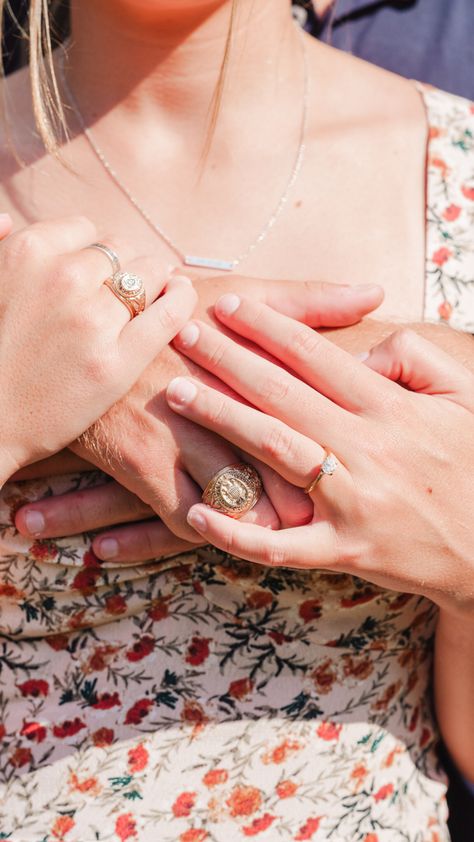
206 699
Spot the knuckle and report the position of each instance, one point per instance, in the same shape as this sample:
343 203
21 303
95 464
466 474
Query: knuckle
168 317
402 340
304 342
273 554
28 243
217 412
275 387
215 356
278 443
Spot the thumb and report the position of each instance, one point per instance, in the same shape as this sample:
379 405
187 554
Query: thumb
421 366
320 304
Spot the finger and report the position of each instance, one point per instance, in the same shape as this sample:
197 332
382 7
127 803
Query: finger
93 263
140 542
204 463
292 506
419 365
59 236
267 386
144 337
319 362
291 454
303 547
154 281
64 462
80 511
325 305
6 225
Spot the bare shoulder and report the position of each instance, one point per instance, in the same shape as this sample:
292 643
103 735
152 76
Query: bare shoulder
360 93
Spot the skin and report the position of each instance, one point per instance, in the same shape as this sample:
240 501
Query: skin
338 217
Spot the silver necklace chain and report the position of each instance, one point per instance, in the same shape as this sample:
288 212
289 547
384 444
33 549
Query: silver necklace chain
187 259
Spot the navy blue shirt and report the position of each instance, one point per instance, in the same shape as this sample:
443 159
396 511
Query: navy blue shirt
428 40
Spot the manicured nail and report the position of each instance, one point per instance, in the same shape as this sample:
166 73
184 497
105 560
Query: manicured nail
188 336
107 548
180 392
228 304
35 522
182 279
363 356
197 521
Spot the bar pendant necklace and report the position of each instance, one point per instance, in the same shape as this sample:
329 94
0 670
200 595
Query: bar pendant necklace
192 259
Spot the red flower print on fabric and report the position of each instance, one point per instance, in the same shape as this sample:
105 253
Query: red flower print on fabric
33 731
308 830
215 777
184 804
329 730
244 800
141 648
21 757
468 192
115 604
68 728
194 834
441 256
384 792
258 825
138 711
34 687
445 310
159 609
103 737
286 789
126 827
241 688
310 610
105 701
137 759
451 213
62 826
198 651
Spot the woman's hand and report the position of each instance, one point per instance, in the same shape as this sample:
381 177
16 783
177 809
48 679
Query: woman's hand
163 462
68 349
398 509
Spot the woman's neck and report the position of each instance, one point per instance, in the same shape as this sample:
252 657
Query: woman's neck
162 60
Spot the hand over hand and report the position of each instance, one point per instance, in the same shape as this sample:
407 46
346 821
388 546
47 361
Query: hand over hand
162 461
398 509
68 348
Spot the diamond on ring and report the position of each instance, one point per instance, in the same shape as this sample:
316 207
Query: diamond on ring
128 284
328 466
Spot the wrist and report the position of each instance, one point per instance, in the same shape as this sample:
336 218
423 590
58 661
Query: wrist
456 625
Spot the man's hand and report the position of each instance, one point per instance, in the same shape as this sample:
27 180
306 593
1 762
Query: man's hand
162 462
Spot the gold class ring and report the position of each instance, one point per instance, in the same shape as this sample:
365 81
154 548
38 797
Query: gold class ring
328 466
234 490
130 290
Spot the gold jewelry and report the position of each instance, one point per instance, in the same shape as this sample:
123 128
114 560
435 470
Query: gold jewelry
234 490
328 466
110 253
130 290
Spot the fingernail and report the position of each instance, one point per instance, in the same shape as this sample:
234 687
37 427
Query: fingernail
363 356
228 304
5 217
35 522
182 279
107 548
188 336
197 521
181 391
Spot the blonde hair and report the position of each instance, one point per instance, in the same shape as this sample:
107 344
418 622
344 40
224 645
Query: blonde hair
48 107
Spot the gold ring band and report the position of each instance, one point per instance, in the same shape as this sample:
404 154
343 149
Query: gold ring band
328 466
234 490
130 290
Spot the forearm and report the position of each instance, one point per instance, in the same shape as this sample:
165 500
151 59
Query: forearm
367 333
454 688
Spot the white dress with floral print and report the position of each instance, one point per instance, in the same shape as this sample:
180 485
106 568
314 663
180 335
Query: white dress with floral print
205 699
